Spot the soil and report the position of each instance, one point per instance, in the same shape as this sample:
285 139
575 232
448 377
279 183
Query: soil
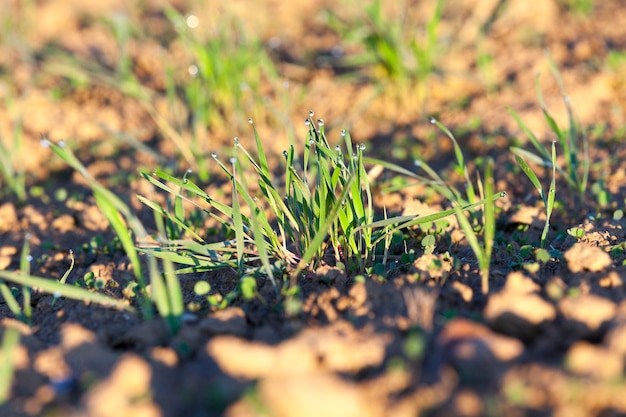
548 340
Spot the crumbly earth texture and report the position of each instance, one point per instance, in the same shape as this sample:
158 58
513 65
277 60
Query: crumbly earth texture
419 339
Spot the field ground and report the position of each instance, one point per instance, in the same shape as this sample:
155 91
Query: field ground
146 85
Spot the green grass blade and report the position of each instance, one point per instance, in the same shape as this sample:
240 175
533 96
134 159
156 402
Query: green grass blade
533 139
531 176
10 341
489 224
67 291
322 232
11 302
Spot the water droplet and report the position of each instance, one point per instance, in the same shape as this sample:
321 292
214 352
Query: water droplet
320 122
232 160
236 140
189 171
274 42
343 133
312 141
338 148
307 122
554 141
417 163
29 258
61 144
311 113
192 21
336 51
45 143
214 155
432 120
28 236
362 147
193 70
250 121
503 194
285 154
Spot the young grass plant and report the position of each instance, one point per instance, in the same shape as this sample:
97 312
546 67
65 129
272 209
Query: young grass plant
401 58
573 142
165 292
325 205
319 208
548 199
462 205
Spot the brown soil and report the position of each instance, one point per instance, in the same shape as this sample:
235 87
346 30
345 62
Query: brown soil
549 339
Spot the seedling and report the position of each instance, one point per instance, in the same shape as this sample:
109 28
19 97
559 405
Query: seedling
574 143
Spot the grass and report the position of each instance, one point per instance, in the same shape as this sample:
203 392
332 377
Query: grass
12 173
10 341
573 142
322 206
397 51
463 203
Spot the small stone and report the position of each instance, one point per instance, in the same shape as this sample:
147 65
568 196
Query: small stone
518 315
519 283
319 394
612 280
465 291
615 338
586 359
581 257
229 321
587 312
474 350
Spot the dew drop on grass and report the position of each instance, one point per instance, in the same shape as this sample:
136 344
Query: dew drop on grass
61 144
320 122
193 70
232 160
362 147
285 154
343 133
250 121
432 120
45 143
29 258
189 171
503 194
236 140
214 155
192 21
307 122
338 148
311 113
312 141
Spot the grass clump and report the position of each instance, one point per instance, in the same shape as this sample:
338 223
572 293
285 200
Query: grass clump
478 225
314 210
321 210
